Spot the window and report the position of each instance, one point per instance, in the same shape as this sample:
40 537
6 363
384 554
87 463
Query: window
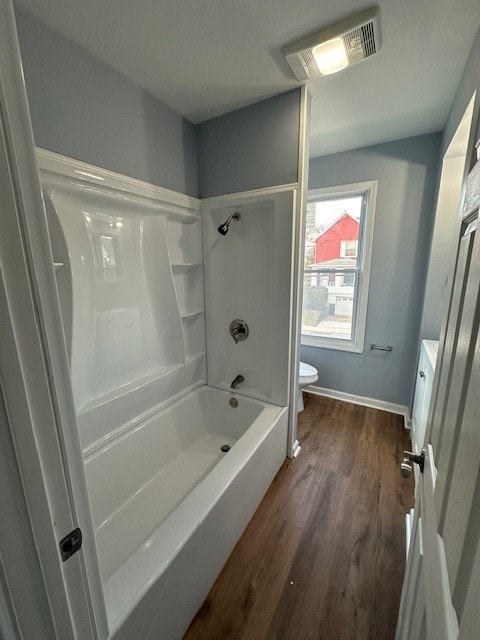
348 248
338 245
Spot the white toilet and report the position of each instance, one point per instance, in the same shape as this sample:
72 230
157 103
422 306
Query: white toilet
306 375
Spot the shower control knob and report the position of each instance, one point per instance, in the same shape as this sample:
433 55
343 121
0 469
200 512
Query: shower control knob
239 330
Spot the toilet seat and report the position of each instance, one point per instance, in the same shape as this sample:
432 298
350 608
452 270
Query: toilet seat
307 374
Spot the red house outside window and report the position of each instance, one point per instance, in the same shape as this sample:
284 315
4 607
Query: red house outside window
333 228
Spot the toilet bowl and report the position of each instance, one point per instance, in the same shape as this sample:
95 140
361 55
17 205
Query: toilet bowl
306 375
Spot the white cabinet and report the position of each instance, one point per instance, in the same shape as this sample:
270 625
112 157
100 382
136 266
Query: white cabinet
423 392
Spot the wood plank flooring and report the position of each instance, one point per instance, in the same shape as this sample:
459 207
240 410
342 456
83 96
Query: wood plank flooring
324 555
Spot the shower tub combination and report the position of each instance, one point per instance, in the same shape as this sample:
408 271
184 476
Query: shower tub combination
175 468
179 505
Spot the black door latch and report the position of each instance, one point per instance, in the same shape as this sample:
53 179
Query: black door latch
71 543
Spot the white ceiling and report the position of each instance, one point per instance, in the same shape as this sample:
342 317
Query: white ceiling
207 58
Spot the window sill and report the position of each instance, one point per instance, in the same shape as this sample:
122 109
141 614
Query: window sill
331 343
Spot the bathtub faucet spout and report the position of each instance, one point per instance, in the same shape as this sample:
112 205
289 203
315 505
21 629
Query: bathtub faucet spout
236 381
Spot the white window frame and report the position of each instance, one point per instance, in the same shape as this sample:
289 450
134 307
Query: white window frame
364 257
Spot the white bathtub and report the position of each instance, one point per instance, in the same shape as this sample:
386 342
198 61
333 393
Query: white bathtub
169 505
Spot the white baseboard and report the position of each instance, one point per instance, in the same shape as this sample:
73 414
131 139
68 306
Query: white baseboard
373 403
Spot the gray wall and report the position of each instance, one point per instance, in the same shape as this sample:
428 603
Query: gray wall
84 109
469 83
251 148
406 172
444 242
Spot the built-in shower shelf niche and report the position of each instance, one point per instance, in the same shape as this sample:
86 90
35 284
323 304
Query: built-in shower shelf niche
190 316
183 267
186 259
131 292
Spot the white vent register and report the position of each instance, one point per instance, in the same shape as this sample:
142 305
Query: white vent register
341 45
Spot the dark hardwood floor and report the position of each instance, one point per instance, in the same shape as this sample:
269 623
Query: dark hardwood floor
324 555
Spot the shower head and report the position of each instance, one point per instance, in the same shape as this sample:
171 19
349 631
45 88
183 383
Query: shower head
223 228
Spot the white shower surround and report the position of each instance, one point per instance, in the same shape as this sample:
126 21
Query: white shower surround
144 419
134 329
248 276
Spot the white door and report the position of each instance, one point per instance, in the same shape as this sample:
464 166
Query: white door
440 599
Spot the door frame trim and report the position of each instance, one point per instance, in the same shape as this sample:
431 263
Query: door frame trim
34 371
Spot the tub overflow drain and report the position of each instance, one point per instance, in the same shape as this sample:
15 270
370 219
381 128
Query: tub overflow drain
225 448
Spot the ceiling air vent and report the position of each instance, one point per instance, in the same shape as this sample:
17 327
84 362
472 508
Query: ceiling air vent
339 46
